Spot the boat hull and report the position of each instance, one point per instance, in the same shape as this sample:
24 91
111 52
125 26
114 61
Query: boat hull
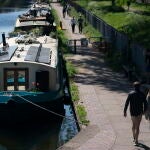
28 111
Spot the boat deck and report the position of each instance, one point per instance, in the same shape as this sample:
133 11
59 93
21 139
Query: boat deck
44 51
30 22
24 19
35 16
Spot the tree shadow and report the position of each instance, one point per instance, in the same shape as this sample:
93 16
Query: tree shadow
112 9
96 71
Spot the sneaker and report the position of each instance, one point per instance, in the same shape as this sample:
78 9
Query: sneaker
135 143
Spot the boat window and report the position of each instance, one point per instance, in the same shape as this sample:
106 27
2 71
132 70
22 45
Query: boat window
10 76
10 88
21 76
16 79
21 88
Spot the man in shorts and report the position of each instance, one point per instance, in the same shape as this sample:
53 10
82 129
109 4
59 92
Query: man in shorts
138 106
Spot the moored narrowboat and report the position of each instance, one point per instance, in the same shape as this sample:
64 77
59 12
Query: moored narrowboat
31 78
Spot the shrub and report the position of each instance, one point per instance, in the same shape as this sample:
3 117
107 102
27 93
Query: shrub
71 69
113 8
114 60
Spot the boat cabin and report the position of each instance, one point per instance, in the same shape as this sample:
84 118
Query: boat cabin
29 64
35 16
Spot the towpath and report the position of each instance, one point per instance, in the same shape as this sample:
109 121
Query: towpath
103 93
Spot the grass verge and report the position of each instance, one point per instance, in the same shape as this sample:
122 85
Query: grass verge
71 70
135 22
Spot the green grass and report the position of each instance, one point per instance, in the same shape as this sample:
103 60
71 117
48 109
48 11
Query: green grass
140 7
60 34
74 92
71 69
101 9
82 115
116 20
135 25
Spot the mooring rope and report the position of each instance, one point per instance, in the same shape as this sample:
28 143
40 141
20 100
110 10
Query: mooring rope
52 112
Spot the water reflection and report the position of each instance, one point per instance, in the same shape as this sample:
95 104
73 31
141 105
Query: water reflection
9 9
8 19
39 136
68 128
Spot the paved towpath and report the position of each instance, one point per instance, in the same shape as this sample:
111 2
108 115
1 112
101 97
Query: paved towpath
103 93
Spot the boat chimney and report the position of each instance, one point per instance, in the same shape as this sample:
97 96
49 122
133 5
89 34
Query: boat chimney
3 39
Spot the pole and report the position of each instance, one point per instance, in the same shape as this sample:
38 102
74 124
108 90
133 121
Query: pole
75 49
4 39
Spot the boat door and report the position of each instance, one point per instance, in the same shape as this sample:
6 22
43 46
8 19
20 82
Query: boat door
42 77
15 79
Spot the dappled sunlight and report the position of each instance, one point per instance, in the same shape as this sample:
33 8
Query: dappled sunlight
92 69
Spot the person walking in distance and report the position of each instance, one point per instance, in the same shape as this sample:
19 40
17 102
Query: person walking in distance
68 9
64 11
73 24
80 23
138 106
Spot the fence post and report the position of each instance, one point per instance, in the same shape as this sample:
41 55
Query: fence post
75 49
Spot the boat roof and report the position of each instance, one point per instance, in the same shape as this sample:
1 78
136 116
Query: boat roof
28 19
44 50
30 22
41 5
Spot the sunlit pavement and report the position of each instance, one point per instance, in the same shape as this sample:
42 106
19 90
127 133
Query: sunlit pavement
103 93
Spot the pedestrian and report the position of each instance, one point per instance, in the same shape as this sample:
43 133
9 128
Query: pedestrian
47 17
64 11
147 114
73 24
34 12
138 106
68 9
80 23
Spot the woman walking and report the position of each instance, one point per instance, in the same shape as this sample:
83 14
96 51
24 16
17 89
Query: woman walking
73 24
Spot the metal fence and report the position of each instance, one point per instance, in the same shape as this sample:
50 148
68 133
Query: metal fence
120 41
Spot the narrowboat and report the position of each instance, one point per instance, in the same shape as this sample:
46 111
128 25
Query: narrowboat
38 15
31 79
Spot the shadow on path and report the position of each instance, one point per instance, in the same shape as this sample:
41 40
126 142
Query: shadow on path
95 71
143 146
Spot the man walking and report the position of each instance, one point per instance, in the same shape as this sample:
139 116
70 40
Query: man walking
80 22
138 106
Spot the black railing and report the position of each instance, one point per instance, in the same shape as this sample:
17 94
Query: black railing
120 41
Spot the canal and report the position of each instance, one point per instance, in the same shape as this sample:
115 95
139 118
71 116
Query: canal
39 136
43 136
8 18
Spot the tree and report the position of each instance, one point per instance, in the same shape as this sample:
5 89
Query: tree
121 2
128 4
113 2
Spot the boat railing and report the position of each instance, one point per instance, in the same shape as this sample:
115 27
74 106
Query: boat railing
21 93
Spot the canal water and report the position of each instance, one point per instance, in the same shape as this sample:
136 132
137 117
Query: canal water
45 136
39 136
8 19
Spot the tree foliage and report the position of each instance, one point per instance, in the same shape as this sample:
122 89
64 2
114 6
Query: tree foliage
11 3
